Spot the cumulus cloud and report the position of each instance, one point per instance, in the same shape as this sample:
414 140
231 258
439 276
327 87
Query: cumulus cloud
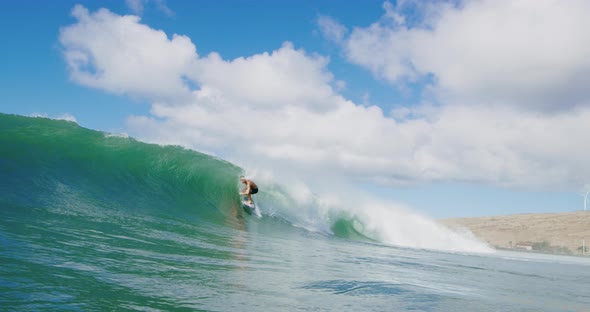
526 54
121 55
283 107
284 77
137 6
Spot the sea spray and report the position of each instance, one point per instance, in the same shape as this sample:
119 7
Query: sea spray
392 224
351 213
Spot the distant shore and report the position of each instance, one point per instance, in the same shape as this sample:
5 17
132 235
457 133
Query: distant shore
556 233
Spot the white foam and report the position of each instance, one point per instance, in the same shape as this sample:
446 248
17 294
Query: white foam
384 221
65 116
123 135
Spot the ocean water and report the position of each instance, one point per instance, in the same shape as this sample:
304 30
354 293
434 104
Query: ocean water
95 222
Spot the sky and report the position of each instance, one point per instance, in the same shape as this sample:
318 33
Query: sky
453 108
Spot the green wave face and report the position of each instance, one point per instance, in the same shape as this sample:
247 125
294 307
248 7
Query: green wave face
349 228
53 163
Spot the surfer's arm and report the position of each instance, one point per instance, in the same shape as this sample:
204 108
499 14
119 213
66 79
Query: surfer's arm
246 191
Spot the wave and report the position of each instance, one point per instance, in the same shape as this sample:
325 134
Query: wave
56 164
361 217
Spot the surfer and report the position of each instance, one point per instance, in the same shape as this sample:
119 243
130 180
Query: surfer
251 188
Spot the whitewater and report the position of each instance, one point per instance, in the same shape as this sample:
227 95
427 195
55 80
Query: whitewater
92 221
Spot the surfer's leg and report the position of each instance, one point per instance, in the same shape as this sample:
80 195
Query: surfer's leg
250 198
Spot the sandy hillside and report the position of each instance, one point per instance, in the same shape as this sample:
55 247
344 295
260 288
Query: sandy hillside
557 230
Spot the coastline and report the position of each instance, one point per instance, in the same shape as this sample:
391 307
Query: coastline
563 233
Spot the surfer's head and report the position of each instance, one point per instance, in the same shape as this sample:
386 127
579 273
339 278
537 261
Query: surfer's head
243 179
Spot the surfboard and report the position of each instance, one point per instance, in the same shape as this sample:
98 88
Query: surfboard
251 208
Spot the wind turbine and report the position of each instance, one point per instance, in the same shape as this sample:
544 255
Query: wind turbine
586 199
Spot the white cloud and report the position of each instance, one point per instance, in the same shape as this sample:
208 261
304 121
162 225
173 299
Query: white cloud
284 77
120 55
530 54
280 107
331 29
138 6
508 148
163 7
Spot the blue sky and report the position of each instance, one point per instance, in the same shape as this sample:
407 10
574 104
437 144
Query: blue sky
33 58
451 108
